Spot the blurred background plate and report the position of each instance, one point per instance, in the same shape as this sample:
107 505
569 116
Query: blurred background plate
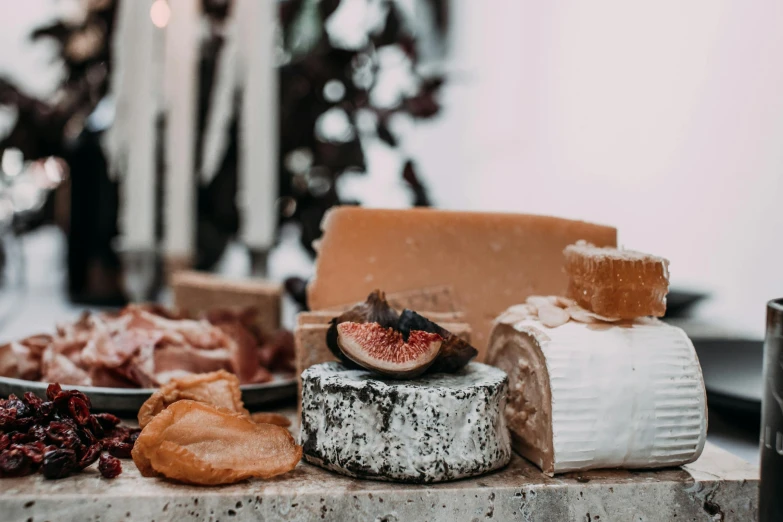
125 402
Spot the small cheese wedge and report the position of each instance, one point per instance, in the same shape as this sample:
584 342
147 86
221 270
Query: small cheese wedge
199 292
585 396
491 260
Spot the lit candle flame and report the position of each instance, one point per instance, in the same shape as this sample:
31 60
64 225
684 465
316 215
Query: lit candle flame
160 13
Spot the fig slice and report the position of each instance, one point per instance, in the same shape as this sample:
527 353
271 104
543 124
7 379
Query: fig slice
197 443
374 310
385 351
454 353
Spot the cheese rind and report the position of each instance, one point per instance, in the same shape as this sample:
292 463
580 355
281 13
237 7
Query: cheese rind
435 428
628 395
491 260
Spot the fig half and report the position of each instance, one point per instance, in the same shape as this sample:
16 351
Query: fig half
385 351
374 310
454 352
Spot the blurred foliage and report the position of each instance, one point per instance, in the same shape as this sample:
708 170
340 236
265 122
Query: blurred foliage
321 77
327 108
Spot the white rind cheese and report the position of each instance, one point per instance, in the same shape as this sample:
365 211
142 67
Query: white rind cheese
585 396
434 428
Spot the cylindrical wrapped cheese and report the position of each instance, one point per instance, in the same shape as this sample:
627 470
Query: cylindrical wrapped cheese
434 428
585 396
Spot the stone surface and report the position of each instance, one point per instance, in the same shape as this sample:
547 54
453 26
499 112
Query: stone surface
717 487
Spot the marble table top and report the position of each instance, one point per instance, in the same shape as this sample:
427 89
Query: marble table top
719 486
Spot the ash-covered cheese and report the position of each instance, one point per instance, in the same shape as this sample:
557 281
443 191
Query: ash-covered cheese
604 395
435 428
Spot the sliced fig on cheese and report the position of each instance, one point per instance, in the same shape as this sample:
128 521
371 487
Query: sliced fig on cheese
454 354
386 351
374 310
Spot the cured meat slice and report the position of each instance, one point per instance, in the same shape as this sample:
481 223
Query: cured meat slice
219 389
585 396
197 443
431 429
59 368
173 357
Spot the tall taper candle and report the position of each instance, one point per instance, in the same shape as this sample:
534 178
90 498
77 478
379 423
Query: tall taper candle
258 123
180 88
134 49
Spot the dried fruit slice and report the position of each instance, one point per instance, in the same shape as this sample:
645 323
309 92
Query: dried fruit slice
270 418
220 389
454 353
385 351
617 283
196 443
374 310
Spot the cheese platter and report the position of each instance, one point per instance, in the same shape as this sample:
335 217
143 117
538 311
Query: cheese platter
432 383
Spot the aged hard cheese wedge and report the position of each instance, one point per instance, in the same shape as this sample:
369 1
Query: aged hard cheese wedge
491 260
585 396
431 429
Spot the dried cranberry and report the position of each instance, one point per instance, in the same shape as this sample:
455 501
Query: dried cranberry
19 438
119 433
96 428
109 466
107 420
59 463
74 404
21 408
134 434
89 456
45 410
62 435
119 449
35 451
7 419
36 433
5 441
79 410
14 462
10 421
32 401
53 390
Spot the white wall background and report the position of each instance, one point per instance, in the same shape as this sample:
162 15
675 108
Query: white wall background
662 118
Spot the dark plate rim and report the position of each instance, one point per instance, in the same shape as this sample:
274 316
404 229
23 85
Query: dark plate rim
277 382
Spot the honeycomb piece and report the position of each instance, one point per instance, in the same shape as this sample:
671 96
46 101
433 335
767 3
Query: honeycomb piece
617 283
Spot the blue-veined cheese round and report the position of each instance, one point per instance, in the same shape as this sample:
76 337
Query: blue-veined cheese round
434 428
609 395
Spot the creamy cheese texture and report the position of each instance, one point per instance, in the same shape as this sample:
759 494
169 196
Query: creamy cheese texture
585 396
434 428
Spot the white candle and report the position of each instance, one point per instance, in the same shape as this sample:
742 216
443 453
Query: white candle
180 90
132 139
257 178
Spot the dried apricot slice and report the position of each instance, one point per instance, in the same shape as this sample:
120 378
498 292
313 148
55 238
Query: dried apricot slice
199 444
219 389
270 418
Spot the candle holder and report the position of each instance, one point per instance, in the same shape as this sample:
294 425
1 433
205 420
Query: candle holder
141 274
259 262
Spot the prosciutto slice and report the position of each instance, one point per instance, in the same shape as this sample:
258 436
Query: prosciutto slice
146 346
